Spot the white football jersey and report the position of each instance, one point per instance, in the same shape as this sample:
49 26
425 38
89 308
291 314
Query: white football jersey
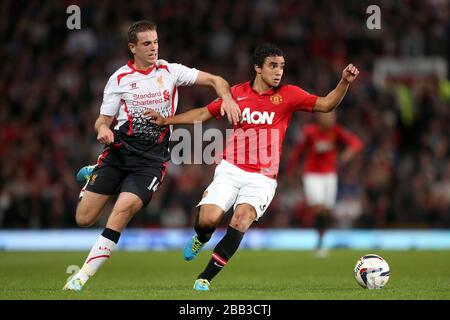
129 92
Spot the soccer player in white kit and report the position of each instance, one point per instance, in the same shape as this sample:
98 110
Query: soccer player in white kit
134 160
244 180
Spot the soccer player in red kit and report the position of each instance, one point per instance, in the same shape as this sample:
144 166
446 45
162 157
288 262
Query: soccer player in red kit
320 142
246 177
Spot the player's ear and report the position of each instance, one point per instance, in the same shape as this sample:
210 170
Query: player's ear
132 47
257 69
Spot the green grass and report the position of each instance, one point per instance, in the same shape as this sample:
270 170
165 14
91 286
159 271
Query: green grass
249 275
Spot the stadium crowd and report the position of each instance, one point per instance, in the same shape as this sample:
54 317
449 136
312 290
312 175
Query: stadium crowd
52 82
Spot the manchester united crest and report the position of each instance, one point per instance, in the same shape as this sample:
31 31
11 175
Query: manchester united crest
276 99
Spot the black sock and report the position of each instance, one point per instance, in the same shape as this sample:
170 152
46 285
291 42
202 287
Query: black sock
111 235
203 233
222 253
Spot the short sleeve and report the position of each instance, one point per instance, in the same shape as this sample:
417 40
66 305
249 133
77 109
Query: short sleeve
184 76
111 98
302 100
214 108
349 138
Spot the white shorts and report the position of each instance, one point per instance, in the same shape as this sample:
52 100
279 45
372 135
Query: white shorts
232 186
320 189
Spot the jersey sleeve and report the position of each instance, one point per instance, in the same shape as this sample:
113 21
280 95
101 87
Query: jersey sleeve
302 100
184 76
350 139
214 108
111 98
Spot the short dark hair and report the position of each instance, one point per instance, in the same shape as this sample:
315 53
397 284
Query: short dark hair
263 51
139 26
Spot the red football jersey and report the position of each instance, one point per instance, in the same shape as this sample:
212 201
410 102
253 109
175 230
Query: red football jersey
321 148
255 143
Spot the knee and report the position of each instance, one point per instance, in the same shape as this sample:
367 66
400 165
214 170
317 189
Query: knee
207 222
83 221
243 217
209 218
83 218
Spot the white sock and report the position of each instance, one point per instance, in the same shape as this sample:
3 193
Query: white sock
98 255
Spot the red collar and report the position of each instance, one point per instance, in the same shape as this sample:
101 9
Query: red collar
146 72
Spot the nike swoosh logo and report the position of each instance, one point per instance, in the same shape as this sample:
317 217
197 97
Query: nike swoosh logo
220 266
241 98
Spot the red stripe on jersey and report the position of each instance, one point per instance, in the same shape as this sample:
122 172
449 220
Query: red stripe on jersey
144 72
102 156
219 259
163 67
163 135
96 257
130 120
174 93
120 76
164 170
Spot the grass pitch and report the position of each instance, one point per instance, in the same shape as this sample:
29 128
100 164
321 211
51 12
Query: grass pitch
250 275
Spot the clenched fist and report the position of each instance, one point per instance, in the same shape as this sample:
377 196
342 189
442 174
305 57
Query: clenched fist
350 73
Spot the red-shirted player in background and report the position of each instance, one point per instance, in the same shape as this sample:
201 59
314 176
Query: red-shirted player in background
320 142
246 177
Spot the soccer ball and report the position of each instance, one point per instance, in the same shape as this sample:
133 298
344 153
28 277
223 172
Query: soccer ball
371 271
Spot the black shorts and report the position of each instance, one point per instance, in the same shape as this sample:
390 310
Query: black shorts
110 178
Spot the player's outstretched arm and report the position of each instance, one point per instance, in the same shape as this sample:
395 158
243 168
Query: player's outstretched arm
334 98
189 117
229 106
